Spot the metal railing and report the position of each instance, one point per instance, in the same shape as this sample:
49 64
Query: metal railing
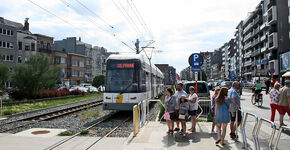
279 135
243 130
273 126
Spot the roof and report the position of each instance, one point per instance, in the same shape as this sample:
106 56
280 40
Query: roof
11 23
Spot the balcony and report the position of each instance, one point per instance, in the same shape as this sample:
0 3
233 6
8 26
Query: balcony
256 41
248 36
272 15
248 63
263 49
248 45
248 54
257 20
263 37
264 26
273 41
256 52
248 27
256 30
271 3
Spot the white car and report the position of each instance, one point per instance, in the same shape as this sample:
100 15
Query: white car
91 89
82 89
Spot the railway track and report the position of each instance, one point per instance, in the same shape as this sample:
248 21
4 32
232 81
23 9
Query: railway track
106 118
48 116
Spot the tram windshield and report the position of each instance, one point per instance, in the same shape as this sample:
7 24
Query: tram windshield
122 76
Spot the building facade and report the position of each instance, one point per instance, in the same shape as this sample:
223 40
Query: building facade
169 73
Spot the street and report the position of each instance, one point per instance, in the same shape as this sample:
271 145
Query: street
264 112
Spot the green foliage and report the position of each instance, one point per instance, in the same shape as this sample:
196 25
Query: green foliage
4 74
98 81
66 133
36 74
84 132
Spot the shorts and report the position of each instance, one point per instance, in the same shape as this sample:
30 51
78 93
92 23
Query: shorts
283 109
173 115
233 119
192 112
258 91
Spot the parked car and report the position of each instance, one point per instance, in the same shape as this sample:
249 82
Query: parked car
227 84
203 95
91 89
80 88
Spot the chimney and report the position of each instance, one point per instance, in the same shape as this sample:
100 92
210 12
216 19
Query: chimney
80 39
26 24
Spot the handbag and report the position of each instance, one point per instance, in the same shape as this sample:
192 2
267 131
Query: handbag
181 116
167 116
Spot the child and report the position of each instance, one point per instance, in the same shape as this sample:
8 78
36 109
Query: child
183 113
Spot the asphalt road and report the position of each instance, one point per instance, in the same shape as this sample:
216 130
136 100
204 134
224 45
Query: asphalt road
263 112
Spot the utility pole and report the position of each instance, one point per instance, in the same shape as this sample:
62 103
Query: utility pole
137 46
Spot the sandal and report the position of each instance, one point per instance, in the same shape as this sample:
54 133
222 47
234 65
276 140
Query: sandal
217 141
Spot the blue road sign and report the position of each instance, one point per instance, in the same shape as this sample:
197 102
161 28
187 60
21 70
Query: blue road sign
196 59
195 69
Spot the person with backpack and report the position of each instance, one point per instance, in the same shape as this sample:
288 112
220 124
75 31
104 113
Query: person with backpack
212 112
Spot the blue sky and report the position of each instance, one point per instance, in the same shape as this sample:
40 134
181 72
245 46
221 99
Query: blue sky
179 27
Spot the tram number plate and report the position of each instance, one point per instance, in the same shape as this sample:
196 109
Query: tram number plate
119 98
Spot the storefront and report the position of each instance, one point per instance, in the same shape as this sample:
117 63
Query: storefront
284 64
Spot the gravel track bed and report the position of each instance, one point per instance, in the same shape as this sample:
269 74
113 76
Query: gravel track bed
78 121
154 111
46 110
73 122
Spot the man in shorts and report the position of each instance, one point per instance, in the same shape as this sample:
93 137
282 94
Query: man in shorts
178 93
233 94
284 102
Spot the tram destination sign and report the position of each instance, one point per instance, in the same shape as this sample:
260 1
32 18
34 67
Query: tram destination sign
122 65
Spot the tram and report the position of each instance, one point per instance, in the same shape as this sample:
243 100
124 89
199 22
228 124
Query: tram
128 81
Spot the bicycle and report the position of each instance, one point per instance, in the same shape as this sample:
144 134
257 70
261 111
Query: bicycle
258 100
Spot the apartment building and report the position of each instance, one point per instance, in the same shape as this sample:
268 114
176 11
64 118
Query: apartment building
60 60
206 62
8 41
261 43
76 68
169 73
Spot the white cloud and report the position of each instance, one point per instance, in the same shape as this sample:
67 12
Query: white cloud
180 27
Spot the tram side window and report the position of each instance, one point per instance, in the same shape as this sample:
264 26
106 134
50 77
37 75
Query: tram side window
143 81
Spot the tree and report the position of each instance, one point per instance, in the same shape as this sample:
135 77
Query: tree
4 74
36 74
99 80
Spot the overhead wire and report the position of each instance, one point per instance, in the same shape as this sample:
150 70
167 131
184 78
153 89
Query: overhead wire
94 13
126 15
95 23
144 23
46 10
98 16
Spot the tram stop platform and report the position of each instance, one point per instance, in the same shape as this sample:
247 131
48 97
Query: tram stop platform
151 137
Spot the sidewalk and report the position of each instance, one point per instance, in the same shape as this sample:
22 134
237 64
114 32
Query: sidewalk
153 136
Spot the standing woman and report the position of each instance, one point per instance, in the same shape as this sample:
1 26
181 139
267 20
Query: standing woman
274 96
223 107
213 101
193 106
170 103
